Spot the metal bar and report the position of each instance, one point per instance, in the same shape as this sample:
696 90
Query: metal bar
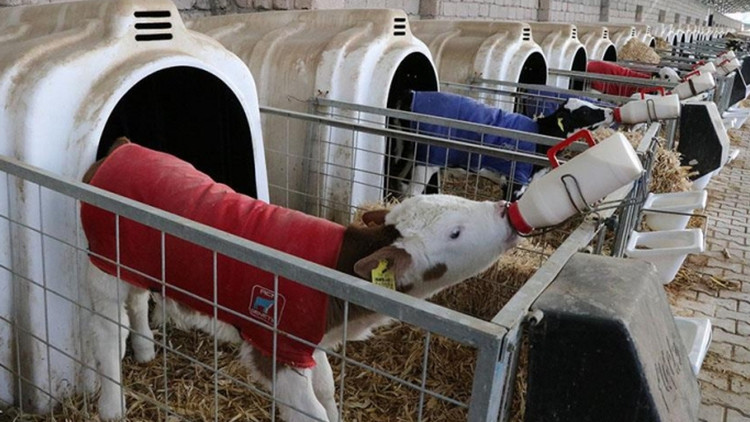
533 87
610 78
421 118
508 368
433 140
487 385
463 328
423 380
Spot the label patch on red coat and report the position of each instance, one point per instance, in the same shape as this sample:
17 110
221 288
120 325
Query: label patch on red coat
262 305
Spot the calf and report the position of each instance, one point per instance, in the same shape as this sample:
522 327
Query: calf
667 74
427 242
570 116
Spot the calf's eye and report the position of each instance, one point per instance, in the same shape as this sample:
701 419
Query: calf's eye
455 233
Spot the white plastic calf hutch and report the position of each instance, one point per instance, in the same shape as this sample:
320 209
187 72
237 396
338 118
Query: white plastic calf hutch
502 51
679 36
665 32
621 34
643 33
359 56
562 49
691 33
75 76
596 40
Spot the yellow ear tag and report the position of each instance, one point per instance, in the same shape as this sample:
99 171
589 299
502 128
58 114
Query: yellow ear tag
382 276
560 123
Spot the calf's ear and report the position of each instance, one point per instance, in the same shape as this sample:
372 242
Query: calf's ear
122 140
397 259
375 217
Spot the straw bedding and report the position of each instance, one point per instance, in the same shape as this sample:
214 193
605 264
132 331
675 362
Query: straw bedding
637 51
662 44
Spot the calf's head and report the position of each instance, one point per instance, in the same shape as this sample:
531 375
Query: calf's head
669 74
572 115
443 240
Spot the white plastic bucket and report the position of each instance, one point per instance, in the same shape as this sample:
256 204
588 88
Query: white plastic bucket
696 336
665 249
659 209
701 182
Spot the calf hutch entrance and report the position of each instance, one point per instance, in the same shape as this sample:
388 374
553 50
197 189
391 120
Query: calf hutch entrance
563 50
597 42
75 76
367 57
469 51
192 114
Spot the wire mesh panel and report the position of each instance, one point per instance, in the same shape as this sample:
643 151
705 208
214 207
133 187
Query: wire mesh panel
435 364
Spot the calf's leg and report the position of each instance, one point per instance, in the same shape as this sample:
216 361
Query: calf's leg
420 176
143 338
294 392
323 384
109 330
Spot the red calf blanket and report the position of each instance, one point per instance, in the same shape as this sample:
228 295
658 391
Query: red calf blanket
168 183
608 68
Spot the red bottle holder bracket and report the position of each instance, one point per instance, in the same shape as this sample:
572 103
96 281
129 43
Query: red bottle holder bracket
583 134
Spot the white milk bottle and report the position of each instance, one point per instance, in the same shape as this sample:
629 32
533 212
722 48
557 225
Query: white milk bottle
727 55
649 109
695 83
585 179
706 68
727 66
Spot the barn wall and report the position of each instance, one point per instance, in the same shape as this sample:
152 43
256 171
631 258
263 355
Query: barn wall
616 11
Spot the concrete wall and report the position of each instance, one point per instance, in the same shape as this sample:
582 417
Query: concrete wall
616 11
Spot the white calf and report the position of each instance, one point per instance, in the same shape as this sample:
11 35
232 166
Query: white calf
429 242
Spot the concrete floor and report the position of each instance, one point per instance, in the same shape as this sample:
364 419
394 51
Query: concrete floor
725 375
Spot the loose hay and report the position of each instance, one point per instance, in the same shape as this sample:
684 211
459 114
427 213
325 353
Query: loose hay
471 185
688 277
554 238
637 51
735 136
668 174
633 136
662 44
